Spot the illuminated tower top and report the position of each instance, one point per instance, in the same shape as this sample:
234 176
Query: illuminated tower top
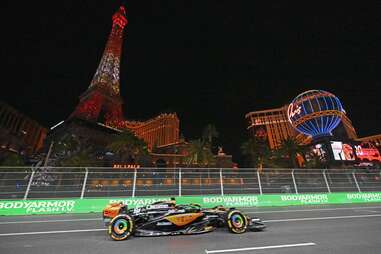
107 74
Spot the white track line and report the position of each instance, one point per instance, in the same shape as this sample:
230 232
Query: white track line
261 248
48 221
326 218
317 209
267 221
244 209
54 232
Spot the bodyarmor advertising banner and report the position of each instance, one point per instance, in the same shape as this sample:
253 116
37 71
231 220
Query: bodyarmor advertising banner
62 206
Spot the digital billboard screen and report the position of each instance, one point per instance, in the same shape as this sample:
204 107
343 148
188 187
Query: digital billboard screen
367 152
317 151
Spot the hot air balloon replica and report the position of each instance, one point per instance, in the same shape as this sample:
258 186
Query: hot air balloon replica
315 113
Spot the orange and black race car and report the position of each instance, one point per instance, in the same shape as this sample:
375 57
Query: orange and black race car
168 218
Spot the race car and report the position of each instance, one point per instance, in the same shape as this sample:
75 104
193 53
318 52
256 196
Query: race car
168 218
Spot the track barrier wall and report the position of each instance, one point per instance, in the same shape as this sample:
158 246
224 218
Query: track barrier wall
94 205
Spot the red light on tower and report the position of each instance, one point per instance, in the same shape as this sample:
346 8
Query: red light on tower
119 18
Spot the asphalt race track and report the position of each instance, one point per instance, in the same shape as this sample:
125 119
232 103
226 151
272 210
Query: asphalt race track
315 229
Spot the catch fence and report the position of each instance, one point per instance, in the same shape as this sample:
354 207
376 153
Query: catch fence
86 182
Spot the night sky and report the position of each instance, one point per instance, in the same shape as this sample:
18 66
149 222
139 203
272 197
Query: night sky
209 61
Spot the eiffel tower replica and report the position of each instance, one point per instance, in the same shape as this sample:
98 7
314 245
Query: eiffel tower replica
102 102
99 115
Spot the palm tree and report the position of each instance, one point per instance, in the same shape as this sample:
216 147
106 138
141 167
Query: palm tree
128 147
208 158
258 152
200 153
67 145
289 150
195 151
209 133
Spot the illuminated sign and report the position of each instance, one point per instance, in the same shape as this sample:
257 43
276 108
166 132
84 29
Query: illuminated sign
131 166
293 110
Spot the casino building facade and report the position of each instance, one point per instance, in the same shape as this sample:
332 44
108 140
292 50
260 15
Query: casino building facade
374 139
271 124
162 130
18 132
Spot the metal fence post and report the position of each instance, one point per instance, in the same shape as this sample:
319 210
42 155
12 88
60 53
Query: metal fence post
84 183
180 182
259 182
326 181
293 179
29 184
221 183
134 184
357 184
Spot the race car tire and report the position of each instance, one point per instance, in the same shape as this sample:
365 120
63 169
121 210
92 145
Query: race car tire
237 222
121 227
